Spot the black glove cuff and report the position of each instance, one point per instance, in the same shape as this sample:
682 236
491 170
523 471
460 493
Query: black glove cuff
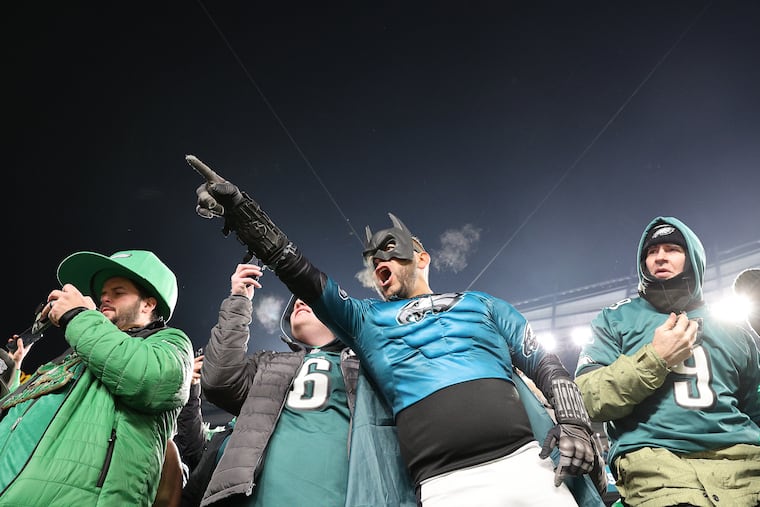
568 404
67 317
257 231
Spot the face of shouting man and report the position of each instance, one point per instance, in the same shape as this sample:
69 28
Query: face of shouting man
395 278
398 262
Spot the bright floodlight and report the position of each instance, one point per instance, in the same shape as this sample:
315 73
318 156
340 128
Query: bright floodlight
732 308
581 335
547 340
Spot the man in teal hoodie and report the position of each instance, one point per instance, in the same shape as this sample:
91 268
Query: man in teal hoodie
676 386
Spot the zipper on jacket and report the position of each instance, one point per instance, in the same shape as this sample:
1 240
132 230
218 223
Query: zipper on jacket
13 427
107 461
70 387
21 417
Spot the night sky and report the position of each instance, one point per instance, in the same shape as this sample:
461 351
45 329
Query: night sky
528 144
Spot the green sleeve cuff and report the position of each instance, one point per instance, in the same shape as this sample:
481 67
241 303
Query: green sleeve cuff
651 367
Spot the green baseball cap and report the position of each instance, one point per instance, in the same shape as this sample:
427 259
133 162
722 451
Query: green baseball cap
88 271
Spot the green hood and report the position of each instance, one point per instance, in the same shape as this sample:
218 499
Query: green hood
688 284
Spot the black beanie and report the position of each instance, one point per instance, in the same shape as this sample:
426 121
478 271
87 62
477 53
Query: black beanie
663 233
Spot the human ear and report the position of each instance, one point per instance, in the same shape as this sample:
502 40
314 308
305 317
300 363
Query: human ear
423 260
150 304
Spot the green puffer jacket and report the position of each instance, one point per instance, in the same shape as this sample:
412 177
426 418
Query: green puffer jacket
98 438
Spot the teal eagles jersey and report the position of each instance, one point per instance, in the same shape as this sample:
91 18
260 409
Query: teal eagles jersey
415 347
709 401
306 460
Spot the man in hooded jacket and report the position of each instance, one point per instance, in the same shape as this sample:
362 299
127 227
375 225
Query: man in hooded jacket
676 386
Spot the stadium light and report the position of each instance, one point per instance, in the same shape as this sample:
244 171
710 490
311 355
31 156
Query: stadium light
581 335
547 340
732 308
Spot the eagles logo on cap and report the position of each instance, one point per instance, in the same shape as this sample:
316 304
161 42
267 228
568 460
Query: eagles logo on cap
663 233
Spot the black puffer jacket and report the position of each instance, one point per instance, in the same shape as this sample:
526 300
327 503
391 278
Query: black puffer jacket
253 388
200 475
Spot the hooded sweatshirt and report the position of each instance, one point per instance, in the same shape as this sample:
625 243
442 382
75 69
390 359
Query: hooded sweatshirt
708 402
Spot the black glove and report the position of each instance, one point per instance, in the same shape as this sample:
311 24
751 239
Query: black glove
598 474
576 451
218 197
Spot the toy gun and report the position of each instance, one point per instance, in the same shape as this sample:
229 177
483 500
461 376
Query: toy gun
33 332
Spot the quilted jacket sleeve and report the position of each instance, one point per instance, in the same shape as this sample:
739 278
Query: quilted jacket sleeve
227 372
149 374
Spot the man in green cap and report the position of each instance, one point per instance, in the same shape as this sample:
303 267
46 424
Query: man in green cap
91 427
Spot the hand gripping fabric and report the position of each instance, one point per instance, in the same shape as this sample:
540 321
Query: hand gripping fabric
572 433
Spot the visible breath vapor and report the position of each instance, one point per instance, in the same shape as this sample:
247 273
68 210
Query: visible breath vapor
365 278
456 245
267 311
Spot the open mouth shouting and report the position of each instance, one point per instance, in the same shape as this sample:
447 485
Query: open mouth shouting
383 275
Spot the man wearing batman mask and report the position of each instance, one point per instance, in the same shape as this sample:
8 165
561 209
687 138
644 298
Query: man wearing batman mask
676 386
445 363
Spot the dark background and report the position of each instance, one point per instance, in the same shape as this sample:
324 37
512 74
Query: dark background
527 143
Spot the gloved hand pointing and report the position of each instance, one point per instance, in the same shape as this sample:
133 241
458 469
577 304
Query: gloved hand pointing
216 196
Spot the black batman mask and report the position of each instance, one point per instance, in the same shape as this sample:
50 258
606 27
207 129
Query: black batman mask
376 246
